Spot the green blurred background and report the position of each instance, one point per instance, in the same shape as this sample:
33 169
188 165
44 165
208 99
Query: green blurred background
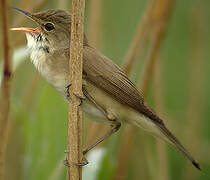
38 118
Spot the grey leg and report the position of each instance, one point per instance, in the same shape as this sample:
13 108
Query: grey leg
115 126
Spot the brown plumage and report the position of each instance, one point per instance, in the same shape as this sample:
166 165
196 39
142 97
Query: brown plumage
107 88
111 79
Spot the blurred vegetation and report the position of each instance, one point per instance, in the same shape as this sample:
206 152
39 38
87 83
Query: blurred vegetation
38 117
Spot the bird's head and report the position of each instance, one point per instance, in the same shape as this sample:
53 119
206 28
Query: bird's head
52 31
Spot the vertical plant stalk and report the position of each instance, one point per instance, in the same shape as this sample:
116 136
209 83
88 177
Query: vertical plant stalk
75 91
139 38
195 86
5 87
161 16
94 27
137 44
58 171
158 12
124 154
63 4
158 101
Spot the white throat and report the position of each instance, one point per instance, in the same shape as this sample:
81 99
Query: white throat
35 41
38 49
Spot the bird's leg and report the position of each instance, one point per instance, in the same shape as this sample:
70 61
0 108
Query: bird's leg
79 96
114 128
115 125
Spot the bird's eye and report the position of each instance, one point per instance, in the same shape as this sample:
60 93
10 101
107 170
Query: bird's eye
49 26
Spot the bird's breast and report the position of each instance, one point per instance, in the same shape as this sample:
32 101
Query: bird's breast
53 68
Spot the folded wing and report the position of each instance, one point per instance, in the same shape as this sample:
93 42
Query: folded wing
106 75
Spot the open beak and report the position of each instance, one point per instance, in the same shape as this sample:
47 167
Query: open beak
27 14
27 29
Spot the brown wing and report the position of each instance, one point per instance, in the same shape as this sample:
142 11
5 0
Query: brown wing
106 75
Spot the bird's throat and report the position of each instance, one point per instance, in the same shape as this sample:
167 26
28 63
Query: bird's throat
37 42
38 49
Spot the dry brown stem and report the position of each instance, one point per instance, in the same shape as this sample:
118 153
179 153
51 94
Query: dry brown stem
137 44
95 22
63 4
158 12
139 38
161 17
5 87
194 113
158 101
75 91
161 14
58 170
125 151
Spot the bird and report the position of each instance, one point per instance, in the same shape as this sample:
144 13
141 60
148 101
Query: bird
108 93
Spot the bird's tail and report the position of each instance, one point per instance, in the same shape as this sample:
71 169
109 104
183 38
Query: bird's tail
173 140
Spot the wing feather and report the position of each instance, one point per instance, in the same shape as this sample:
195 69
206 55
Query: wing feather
106 75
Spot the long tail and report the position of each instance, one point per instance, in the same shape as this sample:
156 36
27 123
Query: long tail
177 144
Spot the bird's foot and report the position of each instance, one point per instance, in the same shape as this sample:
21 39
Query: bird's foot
81 97
84 161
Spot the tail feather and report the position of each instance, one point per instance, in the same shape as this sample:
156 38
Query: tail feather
177 144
